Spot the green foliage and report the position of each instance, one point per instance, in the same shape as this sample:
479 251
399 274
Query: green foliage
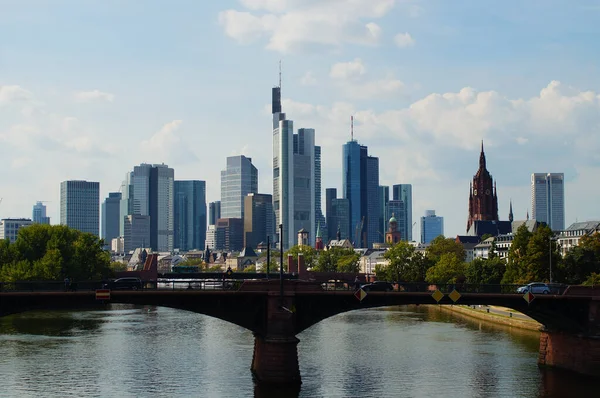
308 252
118 266
485 271
349 262
515 267
441 245
337 259
449 269
45 252
250 268
193 262
485 236
405 264
580 262
593 280
214 268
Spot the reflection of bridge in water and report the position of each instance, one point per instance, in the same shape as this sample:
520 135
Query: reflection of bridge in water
570 339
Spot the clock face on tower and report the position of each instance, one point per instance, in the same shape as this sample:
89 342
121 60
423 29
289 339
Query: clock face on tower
475 192
487 191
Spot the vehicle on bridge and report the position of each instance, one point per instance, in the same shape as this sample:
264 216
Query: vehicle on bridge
125 284
535 288
378 286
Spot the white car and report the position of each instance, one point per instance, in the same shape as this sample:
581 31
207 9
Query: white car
535 288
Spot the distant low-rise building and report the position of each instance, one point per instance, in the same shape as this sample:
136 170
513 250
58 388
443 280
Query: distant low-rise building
9 227
570 237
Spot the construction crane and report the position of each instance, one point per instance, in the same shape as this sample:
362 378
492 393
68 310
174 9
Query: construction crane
358 230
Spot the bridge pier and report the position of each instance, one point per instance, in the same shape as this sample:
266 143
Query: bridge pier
563 350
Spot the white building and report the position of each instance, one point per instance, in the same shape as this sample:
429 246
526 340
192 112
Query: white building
548 199
569 238
9 227
211 237
483 249
117 245
371 259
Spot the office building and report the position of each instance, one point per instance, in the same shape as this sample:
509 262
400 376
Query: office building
39 214
259 219
330 194
338 216
110 217
361 188
137 232
396 209
548 199
9 227
211 237
238 180
149 191
229 234
320 221
403 192
214 212
384 197
80 205
190 215
432 226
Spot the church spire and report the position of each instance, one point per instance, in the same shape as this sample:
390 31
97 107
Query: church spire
528 214
482 158
510 213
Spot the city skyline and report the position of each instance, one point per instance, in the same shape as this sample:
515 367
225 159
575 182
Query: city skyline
535 105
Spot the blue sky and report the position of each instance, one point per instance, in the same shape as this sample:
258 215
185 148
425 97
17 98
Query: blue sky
90 89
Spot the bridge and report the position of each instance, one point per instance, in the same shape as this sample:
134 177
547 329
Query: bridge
277 310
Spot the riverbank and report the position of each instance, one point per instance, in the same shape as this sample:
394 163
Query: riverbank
499 315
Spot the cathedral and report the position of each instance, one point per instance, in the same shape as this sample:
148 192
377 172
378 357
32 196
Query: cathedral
483 201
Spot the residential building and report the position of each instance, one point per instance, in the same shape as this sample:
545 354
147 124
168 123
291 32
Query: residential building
39 214
483 200
111 210
548 199
214 212
361 188
9 227
80 205
137 232
230 234
484 249
238 180
403 193
432 226
149 191
190 215
570 237
259 219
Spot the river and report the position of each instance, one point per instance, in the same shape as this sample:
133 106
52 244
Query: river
410 351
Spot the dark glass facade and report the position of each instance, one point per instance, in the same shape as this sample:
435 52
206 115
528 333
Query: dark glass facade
190 215
111 217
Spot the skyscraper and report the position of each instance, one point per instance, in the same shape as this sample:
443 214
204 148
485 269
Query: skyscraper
190 215
214 212
319 217
396 209
432 226
384 197
238 180
293 175
483 200
137 232
548 199
110 217
403 192
39 214
361 188
80 205
150 192
259 219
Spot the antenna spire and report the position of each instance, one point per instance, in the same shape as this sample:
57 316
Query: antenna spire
351 128
279 74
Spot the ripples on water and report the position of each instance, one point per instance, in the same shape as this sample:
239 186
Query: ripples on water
393 352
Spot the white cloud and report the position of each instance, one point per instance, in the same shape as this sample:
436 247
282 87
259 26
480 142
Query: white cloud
348 70
351 78
308 79
403 40
10 94
167 146
291 25
94 95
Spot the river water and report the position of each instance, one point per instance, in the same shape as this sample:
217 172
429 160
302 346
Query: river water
410 351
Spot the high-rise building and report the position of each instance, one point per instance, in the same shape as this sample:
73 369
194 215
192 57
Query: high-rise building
259 219
396 209
384 197
211 237
403 192
229 234
9 227
330 195
238 180
190 215
338 215
320 221
149 191
137 232
80 205
432 226
110 217
293 175
548 199
214 212
39 214
361 188
483 200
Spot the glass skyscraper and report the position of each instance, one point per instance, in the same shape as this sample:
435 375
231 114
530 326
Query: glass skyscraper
548 199
39 214
80 205
110 217
214 212
238 180
432 226
403 192
190 215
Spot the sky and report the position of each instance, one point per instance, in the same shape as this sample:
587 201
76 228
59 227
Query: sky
89 89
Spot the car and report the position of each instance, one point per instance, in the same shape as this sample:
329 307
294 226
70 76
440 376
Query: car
378 286
125 284
535 288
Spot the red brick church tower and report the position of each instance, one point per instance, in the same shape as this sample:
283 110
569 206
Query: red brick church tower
483 201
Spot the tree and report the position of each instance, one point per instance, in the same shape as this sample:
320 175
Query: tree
540 249
348 262
593 279
337 259
441 245
515 267
484 271
250 268
308 252
449 269
580 262
405 264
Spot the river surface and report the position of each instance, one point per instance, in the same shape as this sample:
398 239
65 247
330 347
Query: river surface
129 351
